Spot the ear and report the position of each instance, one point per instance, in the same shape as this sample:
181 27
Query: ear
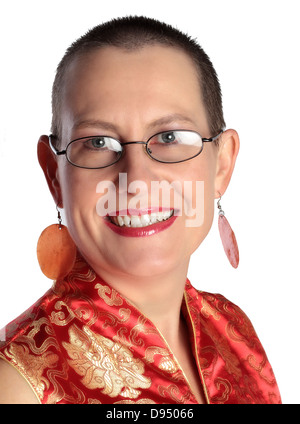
227 153
48 162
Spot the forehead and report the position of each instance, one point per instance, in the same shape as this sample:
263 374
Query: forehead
113 84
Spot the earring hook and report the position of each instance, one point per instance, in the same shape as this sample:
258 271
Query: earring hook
221 212
59 217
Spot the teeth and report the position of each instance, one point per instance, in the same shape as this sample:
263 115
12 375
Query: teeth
120 221
145 220
135 221
126 220
142 220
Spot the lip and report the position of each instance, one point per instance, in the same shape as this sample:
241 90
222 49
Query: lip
140 231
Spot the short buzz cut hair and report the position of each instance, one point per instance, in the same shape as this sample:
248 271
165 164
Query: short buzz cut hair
132 33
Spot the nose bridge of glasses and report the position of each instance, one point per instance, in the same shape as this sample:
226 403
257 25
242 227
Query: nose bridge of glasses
133 142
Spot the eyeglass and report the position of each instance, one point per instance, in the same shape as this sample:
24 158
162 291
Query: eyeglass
101 151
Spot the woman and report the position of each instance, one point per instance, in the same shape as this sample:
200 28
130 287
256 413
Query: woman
137 155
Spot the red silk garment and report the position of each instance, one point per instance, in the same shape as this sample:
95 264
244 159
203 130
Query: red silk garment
82 342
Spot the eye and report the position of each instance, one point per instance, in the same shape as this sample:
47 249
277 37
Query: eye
97 142
103 144
167 137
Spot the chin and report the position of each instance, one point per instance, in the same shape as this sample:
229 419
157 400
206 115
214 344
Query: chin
142 264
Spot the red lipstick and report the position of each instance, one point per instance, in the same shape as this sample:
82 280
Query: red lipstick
145 231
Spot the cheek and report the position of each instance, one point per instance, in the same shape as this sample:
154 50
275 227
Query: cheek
78 191
199 202
199 183
199 222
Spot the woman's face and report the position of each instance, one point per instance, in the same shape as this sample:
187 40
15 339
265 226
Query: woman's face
132 96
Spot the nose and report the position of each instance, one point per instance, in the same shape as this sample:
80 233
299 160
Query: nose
134 155
137 165
135 160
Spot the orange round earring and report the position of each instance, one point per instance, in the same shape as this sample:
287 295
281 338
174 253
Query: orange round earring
56 251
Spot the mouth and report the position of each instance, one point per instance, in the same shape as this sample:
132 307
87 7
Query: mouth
137 224
143 220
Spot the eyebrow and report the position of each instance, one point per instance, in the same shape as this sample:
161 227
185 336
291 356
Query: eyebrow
83 123
168 119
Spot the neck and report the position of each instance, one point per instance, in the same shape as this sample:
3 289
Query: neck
158 297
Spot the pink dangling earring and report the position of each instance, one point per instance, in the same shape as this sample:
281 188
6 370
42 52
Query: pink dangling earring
228 238
56 251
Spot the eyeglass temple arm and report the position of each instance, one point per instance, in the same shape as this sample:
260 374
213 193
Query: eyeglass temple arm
212 138
53 148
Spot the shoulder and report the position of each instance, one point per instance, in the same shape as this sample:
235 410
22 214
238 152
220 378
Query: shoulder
220 303
224 307
214 308
206 302
15 364
14 389
22 323
226 336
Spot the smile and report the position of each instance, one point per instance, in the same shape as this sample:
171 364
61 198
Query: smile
140 224
145 220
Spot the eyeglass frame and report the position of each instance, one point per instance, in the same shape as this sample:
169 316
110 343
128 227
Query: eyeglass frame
145 143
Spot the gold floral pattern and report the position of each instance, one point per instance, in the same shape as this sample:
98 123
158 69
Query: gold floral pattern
113 299
166 361
208 310
138 402
34 365
104 364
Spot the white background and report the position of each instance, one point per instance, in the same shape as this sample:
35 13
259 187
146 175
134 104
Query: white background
254 46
